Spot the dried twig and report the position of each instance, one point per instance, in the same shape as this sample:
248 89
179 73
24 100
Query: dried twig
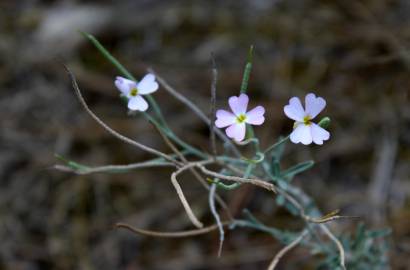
212 193
321 222
253 181
114 168
286 249
170 234
194 172
339 245
213 106
184 201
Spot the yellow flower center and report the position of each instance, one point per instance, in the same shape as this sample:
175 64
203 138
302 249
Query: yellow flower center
306 120
134 92
241 118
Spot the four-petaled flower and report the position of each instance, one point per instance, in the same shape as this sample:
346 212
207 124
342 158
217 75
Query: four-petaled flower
133 91
236 121
305 131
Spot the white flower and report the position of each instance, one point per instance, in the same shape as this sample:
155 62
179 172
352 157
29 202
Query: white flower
305 131
236 121
134 91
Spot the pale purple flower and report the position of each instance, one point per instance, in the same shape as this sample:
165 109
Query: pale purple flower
134 91
305 131
236 121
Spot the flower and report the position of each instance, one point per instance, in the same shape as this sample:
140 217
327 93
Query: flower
134 91
236 121
304 130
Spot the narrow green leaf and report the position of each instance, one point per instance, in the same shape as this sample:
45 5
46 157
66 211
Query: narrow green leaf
72 164
108 55
379 233
247 71
294 170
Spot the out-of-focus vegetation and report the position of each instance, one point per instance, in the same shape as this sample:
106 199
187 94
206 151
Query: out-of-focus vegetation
353 53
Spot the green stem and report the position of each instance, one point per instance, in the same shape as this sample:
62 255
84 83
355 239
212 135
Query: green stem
273 146
176 139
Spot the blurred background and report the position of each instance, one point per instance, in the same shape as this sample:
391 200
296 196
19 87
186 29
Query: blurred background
353 53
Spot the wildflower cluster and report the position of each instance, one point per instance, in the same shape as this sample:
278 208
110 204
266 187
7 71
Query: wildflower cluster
263 170
305 131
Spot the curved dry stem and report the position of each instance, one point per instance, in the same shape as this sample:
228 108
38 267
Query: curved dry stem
253 181
213 107
170 234
114 168
110 130
338 244
194 172
214 212
184 201
286 249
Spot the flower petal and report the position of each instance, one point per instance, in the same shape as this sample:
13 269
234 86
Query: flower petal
239 104
319 134
124 85
137 103
147 85
224 118
301 134
314 105
294 109
255 116
236 131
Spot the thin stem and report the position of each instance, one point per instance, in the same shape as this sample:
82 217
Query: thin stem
213 106
170 234
338 244
114 168
184 201
172 136
214 212
286 249
253 181
273 146
195 173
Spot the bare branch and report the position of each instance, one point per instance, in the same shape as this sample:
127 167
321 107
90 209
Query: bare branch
253 181
184 201
170 234
286 249
212 193
213 106
114 168
338 244
194 172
